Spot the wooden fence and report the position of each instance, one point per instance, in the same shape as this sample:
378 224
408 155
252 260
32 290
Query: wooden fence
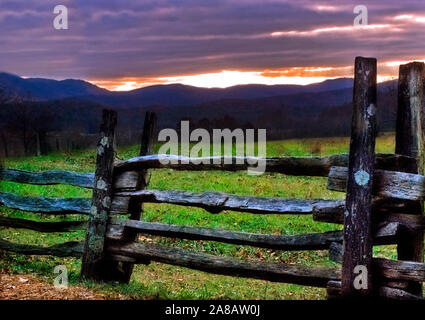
384 205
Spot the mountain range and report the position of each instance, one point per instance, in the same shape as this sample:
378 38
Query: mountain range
165 95
287 111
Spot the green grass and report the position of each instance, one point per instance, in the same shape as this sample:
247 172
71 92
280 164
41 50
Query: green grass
159 281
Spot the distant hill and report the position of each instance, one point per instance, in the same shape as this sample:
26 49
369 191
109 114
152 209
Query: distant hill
46 89
308 114
73 107
164 95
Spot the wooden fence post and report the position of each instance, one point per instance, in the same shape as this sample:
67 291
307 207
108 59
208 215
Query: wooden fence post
357 258
135 207
93 264
410 142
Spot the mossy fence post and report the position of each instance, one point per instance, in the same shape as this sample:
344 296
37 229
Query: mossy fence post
357 256
94 265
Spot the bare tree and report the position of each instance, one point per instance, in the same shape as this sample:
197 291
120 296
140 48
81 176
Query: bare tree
3 134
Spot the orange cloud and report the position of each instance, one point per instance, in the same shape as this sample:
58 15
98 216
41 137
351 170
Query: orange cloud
327 72
388 70
126 84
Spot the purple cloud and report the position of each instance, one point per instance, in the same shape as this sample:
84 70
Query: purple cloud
113 39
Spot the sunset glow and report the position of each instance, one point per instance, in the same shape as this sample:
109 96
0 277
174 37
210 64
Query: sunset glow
333 29
411 17
227 78
398 63
127 86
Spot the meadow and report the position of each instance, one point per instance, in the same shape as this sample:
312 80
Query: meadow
160 281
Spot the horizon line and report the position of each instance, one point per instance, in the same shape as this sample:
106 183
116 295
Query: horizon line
132 85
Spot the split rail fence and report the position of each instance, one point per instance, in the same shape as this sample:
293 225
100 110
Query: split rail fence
384 205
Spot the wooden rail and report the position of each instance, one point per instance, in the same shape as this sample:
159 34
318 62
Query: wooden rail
319 166
67 249
46 205
277 272
216 202
389 184
333 290
51 177
385 233
389 269
58 206
313 241
408 222
297 166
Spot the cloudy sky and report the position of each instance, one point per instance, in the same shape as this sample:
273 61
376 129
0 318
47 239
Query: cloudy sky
126 44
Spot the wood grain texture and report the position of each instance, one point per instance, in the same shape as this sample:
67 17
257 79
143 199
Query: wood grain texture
51 177
386 269
312 241
277 272
120 204
409 222
126 180
358 240
297 166
385 233
93 264
397 294
400 270
67 249
45 205
399 185
409 126
215 202
333 290
410 130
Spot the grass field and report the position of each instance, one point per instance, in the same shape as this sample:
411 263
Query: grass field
161 281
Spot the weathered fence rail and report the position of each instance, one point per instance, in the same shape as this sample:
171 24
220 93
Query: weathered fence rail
66 249
85 180
384 233
54 206
278 272
295 166
383 206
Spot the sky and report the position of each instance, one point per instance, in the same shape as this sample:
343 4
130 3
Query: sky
128 44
